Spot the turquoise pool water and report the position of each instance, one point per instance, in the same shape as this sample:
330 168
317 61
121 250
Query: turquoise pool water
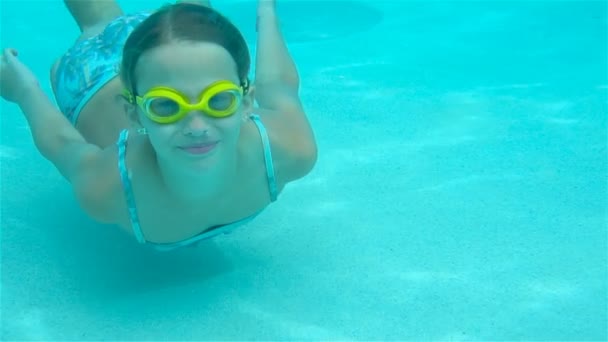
460 192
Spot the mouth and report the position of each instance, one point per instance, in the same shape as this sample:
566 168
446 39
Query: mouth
199 148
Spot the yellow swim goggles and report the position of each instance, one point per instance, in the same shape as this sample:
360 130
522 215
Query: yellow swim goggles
166 105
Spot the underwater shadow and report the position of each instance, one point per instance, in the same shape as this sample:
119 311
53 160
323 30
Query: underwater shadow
107 262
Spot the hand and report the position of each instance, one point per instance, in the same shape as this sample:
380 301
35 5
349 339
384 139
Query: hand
16 79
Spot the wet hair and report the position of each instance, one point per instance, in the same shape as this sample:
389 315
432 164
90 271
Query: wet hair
184 22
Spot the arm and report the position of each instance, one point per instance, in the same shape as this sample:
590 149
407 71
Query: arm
277 93
89 169
54 136
86 166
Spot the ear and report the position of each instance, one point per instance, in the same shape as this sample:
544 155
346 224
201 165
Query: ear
249 101
129 108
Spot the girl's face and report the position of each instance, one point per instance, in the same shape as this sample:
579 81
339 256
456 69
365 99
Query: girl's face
200 139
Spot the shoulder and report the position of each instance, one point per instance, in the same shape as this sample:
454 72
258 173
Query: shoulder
292 142
100 185
97 185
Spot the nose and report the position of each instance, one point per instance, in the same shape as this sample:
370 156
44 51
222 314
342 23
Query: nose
196 124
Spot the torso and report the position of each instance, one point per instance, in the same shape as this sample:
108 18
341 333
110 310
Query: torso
165 219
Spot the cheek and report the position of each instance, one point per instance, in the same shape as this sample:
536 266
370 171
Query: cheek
159 135
232 125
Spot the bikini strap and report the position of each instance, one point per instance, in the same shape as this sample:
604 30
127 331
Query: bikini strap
272 185
126 183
